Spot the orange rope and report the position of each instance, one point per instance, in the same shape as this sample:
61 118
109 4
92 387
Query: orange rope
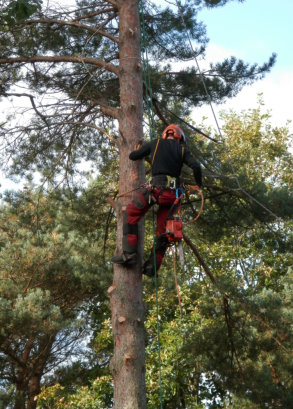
176 282
155 151
132 190
200 210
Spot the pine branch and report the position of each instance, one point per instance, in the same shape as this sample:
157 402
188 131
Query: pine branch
199 258
98 128
31 97
94 14
73 23
113 2
83 60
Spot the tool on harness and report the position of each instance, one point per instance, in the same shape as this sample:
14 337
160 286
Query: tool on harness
151 197
174 227
174 224
174 231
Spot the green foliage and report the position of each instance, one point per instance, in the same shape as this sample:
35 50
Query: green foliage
19 10
49 270
91 397
220 351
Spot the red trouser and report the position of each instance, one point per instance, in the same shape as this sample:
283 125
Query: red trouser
135 210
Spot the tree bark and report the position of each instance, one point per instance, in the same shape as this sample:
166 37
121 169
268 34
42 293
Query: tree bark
22 378
38 365
20 390
128 362
34 390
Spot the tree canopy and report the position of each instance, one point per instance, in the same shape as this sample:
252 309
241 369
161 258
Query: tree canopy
65 63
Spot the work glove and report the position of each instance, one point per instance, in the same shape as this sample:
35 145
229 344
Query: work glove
138 146
194 188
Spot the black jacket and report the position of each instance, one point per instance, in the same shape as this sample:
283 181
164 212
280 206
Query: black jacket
169 158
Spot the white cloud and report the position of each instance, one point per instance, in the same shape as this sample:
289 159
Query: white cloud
276 87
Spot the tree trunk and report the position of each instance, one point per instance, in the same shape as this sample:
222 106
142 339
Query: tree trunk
20 389
128 362
21 383
34 390
38 365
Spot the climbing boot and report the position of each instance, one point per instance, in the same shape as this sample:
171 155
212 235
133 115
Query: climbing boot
148 269
125 259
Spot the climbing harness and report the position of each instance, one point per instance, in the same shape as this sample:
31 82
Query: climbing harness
154 155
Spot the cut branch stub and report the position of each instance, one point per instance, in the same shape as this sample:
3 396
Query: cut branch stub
111 289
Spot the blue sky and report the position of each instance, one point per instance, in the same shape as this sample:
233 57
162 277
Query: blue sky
255 27
252 31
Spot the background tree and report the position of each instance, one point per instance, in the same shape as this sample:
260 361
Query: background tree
49 270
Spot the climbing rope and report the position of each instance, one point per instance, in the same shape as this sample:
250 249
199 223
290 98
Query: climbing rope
151 124
146 70
132 190
150 114
176 282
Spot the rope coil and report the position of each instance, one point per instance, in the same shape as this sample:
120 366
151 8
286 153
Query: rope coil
200 210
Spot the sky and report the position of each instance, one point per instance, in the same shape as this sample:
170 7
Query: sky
252 31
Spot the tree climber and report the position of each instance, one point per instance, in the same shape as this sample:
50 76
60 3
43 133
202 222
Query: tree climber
167 157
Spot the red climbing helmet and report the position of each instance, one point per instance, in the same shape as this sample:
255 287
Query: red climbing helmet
175 131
